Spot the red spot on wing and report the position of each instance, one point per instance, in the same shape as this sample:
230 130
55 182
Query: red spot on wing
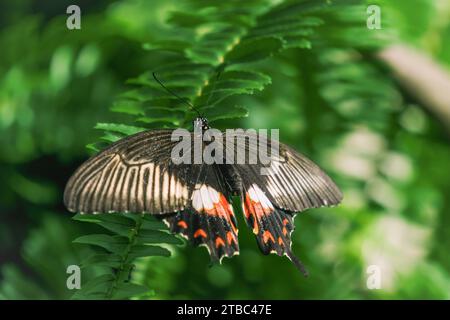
280 241
258 209
219 242
231 238
220 208
182 224
226 205
200 233
268 236
223 210
249 210
255 210
228 213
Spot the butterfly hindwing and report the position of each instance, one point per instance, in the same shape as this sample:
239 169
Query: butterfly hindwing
210 219
135 174
272 226
272 193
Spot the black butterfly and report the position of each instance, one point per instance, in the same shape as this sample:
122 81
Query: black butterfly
136 174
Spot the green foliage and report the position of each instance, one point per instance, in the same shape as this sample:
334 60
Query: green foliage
48 252
308 68
220 62
132 236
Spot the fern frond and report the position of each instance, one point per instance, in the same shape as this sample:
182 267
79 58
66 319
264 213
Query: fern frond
130 236
227 37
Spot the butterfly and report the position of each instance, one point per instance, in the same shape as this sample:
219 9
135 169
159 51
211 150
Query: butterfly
136 174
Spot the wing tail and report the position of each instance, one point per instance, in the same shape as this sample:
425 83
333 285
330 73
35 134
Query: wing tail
272 226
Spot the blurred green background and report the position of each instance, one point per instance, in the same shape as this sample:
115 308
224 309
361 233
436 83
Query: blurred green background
341 107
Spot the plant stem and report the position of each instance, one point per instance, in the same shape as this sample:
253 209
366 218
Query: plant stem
119 274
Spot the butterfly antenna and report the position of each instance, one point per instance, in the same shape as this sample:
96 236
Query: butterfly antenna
184 100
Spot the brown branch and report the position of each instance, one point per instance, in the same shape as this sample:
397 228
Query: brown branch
422 77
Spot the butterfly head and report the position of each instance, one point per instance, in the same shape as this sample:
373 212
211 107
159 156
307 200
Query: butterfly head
201 123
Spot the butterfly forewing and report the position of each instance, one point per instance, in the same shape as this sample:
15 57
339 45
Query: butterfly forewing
291 181
135 174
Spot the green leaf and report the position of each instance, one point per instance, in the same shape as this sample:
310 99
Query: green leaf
120 128
214 114
293 9
94 147
147 251
254 50
234 82
154 236
119 229
116 244
297 42
128 107
175 45
95 288
186 19
127 290
301 27
111 137
168 118
104 260
116 223
170 80
116 218
151 223
249 75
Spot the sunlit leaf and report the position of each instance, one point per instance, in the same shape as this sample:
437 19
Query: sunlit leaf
110 243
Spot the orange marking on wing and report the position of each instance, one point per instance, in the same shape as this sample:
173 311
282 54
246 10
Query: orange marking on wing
227 211
220 209
251 211
211 212
258 209
182 224
230 237
246 212
285 231
285 221
267 211
280 241
219 242
226 205
200 233
248 206
268 236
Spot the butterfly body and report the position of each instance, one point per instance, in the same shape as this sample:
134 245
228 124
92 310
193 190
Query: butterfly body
137 174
